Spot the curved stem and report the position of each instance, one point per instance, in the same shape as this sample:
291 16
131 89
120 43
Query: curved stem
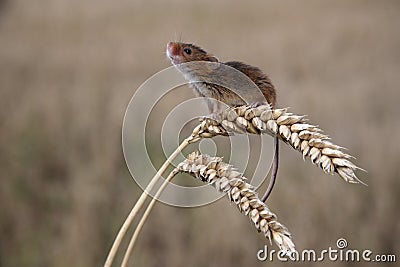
144 218
139 203
274 174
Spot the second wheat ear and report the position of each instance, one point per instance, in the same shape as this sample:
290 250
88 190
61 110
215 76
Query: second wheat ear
224 178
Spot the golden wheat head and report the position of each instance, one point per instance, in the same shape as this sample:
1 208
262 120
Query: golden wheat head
290 128
226 179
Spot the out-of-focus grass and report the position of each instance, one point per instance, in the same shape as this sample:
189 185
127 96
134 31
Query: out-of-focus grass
68 69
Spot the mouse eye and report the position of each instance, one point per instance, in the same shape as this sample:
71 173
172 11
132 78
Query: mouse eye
187 51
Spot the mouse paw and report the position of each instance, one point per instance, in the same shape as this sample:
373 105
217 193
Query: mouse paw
213 116
257 104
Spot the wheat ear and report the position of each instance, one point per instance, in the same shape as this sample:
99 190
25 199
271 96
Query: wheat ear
226 179
291 129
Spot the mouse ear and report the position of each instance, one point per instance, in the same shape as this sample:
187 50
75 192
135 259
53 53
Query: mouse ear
213 59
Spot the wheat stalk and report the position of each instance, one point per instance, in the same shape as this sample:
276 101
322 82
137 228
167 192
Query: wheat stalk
145 216
291 129
129 219
226 179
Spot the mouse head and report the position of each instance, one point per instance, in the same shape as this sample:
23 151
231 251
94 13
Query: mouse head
182 53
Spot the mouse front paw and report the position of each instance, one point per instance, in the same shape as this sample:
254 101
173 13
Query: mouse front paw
257 104
213 116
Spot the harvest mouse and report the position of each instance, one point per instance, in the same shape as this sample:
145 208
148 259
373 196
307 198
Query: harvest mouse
207 82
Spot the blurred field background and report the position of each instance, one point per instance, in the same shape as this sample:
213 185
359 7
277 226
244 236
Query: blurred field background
69 68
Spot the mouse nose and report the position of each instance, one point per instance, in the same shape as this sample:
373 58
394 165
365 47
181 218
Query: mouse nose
172 48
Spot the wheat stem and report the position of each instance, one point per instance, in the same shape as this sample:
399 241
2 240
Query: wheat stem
144 218
141 200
